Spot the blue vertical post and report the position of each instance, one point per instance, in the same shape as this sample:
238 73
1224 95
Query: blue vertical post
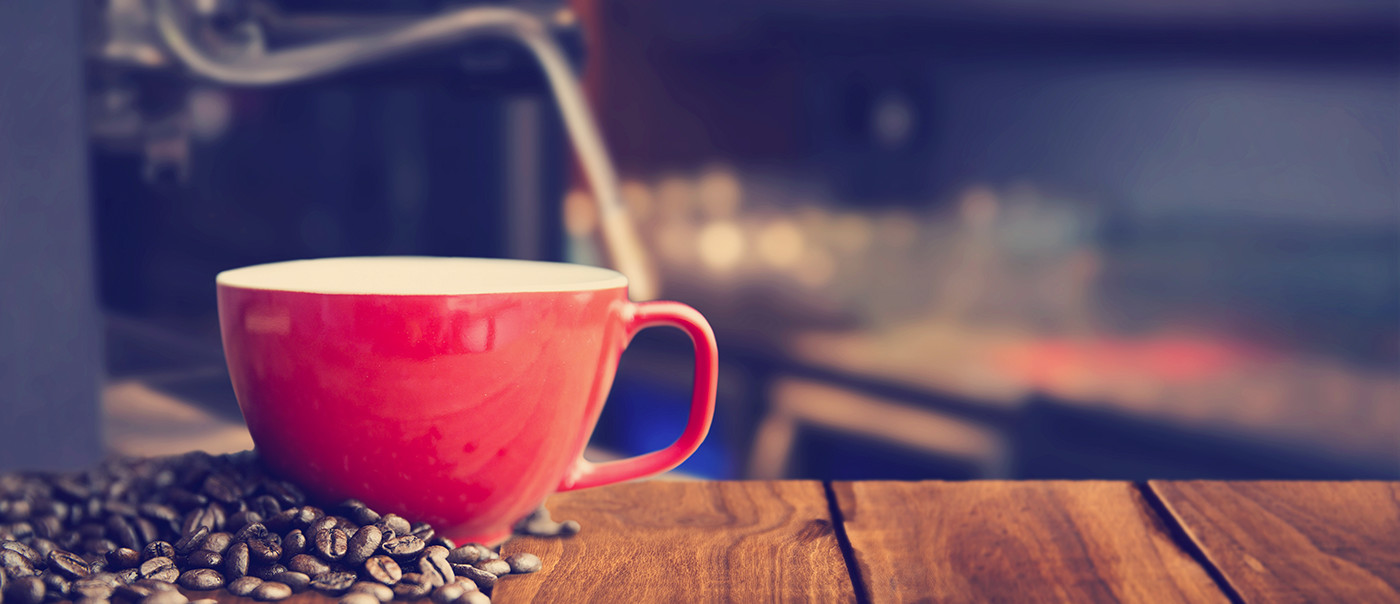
50 356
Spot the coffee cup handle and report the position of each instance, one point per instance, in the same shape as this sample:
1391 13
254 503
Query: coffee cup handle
639 316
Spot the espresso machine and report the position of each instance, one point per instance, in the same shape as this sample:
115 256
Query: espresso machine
236 131
223 133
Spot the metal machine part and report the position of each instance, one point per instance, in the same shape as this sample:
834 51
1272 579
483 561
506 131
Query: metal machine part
223 41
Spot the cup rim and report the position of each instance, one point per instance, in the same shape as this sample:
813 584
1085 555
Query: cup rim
419 276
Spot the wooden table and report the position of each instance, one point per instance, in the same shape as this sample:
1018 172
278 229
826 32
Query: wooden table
666 541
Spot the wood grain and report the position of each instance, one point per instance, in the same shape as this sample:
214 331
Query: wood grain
688 542
1295 541
1015 542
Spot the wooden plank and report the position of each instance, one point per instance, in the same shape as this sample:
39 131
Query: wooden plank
1295 541
688 542
1015 542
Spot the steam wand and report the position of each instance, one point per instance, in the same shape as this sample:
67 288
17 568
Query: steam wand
622 245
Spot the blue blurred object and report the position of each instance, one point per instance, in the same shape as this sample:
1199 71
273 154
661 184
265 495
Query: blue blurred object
644 414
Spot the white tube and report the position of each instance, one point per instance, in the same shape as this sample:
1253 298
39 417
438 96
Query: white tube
285 66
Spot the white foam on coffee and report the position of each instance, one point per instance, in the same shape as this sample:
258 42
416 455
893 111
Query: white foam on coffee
420 276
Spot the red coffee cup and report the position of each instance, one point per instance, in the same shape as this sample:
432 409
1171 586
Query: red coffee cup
456 391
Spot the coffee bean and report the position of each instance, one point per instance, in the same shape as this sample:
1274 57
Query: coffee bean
362 545
185 500
345 506
99 546
43 547
251 532
146 530
334 582
47 527
221 488
192 540
243 586
447 594
364 516
281 521
155 585
236 561
538 524
358 598
433 565
293 545
412 587
32 555
69 564
200 520
322 523
265 506
380 591
157 549
424 532
116 507
16 564
91 530
523 563
205 559
241 519
128 575
383 569
466 583
483 580
15 510
308 564
160 512
25 590
55 585
21 531
165 597
474 597
288 494
160 569
495 567
122 558
201 579
305 516
217 542
217 516
266 573
97 585
266 550
198 517
108 578
331 543
469 554
403 548
271 591
123 533
295 580
396 523
130 594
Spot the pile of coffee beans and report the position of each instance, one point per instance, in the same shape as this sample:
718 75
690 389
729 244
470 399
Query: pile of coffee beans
131 530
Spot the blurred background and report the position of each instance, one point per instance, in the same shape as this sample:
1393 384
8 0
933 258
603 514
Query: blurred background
994 239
